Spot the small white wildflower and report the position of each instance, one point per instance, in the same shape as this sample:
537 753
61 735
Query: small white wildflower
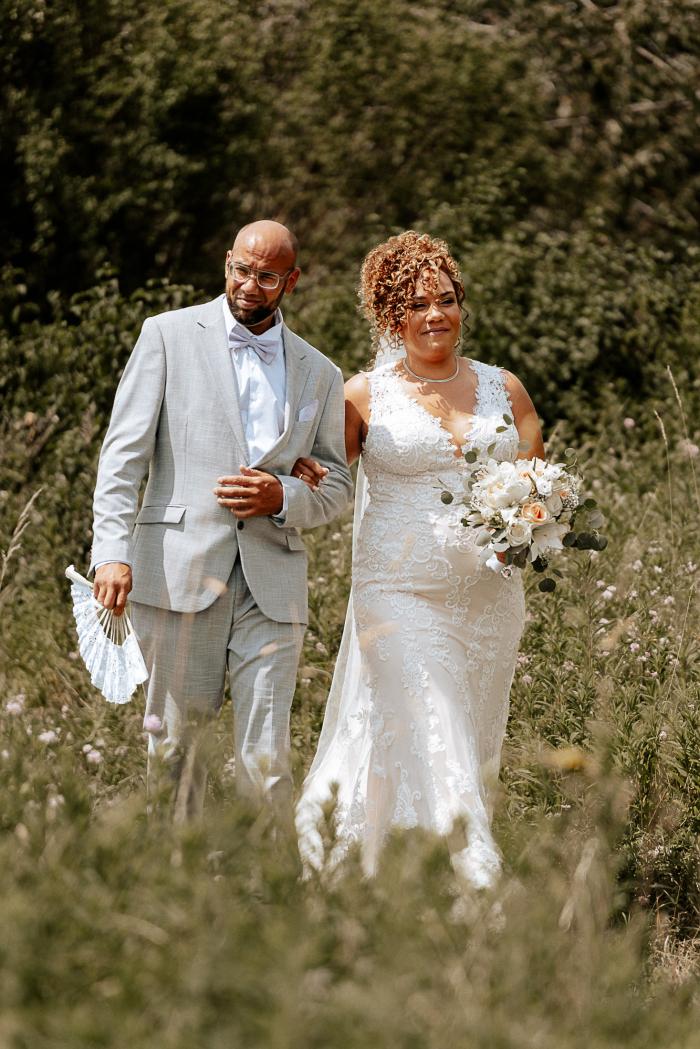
601 584
634 646
658 570
608 594
670 600
663 734
5 754
629 423
306 681
87 747
336 537
526 679
653 673
13 707
568 666
99 742
689 448
603 622
320 647
93 757
637 565
632 594
65 709
55 801
49 736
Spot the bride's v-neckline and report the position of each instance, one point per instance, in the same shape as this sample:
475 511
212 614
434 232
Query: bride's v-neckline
441 429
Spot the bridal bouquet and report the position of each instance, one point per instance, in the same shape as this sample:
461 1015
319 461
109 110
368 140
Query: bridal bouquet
525 510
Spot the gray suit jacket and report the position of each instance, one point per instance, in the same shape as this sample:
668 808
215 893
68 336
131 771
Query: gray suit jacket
176 416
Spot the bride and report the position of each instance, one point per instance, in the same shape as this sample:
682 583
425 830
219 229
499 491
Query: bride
417 711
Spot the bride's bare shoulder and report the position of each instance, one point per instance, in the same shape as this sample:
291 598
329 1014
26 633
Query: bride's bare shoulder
519 397
357 391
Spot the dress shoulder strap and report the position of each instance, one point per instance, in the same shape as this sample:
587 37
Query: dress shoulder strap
492 397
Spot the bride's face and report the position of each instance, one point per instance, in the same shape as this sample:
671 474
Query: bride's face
431 331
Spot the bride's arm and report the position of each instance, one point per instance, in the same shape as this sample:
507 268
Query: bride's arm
356 420
356 415
525 419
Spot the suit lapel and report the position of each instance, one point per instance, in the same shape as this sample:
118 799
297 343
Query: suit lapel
217 356
297 369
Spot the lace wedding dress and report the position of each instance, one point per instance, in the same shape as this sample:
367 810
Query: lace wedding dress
417 712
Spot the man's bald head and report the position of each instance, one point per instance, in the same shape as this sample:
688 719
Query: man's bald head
269 238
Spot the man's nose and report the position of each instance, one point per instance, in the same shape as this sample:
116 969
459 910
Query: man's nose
251 276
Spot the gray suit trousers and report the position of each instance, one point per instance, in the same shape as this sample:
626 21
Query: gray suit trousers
187 655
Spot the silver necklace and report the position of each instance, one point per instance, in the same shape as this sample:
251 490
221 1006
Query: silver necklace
425 378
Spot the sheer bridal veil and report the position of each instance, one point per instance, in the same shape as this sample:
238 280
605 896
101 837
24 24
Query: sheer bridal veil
344 718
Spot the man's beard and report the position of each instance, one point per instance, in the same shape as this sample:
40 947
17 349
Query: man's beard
250 318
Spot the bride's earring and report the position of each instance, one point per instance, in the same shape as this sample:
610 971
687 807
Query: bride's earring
459 348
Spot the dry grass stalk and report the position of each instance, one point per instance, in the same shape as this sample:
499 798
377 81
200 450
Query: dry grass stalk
16 541
686 434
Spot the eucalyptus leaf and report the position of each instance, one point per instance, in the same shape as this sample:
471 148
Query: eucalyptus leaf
547 585
447 498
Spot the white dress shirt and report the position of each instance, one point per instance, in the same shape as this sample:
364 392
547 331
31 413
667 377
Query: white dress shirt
261 387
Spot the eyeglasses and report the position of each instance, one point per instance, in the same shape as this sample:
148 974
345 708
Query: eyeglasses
265 279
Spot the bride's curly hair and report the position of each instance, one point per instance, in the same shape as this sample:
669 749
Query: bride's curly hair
389 275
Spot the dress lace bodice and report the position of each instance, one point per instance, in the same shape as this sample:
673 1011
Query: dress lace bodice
406 440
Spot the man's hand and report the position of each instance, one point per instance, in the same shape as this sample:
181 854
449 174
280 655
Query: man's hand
113 582
251 493
310 472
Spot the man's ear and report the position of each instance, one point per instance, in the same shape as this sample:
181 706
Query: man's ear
228 259
291 282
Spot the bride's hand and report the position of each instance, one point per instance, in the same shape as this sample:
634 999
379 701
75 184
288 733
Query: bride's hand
309 471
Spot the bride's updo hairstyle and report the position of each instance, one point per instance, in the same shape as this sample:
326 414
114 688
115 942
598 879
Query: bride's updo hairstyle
389 276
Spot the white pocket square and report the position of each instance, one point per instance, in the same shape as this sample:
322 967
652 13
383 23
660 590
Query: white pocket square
307 412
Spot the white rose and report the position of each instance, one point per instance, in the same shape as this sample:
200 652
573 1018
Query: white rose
518 532
554 504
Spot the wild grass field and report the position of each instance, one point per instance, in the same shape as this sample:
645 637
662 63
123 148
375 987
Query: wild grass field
119 929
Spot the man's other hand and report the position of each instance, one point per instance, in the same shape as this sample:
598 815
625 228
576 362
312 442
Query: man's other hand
310 472
251 493
113 583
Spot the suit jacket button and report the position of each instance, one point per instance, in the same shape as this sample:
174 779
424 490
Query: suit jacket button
241 524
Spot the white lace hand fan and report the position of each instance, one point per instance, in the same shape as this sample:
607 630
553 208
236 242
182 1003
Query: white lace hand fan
107 643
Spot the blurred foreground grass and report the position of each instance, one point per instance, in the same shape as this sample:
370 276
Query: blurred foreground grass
119 929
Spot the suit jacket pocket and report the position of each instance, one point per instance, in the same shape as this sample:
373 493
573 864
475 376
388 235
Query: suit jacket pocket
295 542
171 514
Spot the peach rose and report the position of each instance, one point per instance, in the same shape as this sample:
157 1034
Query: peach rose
536 513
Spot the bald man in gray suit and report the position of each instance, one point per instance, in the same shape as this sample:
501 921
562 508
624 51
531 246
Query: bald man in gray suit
216 404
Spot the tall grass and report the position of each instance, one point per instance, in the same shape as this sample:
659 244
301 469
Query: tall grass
118 928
